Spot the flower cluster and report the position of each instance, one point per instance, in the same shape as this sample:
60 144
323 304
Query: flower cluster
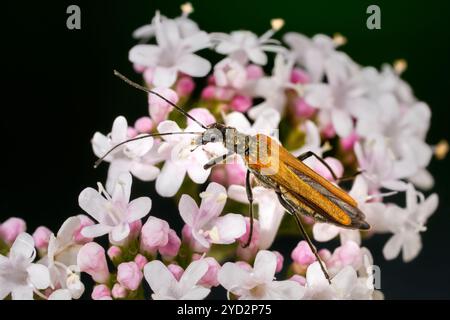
356 117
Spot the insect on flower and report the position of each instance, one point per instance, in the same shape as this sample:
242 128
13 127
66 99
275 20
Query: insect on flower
300 189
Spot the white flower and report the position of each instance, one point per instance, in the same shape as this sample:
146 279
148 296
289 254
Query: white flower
172 54
180 159
406 224
230 73
166 287
266 122
319 56
258 283
339 101
61 258
344 286
186 28
270 211
273 88
379 165
243 46
115 213
205 221
136 157
18 275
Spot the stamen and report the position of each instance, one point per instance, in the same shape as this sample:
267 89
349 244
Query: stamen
277 24
187 9
441 149
102 191
339 39
400 66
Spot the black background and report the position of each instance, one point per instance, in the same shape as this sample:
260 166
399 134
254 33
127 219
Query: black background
58 89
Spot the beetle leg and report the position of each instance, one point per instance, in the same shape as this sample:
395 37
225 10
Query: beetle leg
309 154
248 189
214 161
293 211
350 177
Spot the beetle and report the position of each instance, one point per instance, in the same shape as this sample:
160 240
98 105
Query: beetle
300 190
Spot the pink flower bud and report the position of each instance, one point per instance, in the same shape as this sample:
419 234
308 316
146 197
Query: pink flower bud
347 143
114 253
347 254
140 260
210 277
84 222
159 109
235 174
299 76
302 254
211 80
131 132
280 260
92 260
334 164
299 279
254 72
11 228
208 93
172 246
219 175
224 93
148 75
241 103
154 234
41 237
138 68
303 109
100 291
328 131
129 275
185 86
255 236
143 125
135 229
176 270
201 114
119 291
324 254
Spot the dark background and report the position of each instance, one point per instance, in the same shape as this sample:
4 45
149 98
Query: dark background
58 89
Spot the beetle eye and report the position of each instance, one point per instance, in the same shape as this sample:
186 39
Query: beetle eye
213 138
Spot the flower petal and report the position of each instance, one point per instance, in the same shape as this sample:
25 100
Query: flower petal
23 246
392 248
342 122
60 294
265 265
188 209
96 230
230 227
159 278
324 232
144 55
120 232
232 277
138 208
194 65
164 77
39 276
192 275
170 179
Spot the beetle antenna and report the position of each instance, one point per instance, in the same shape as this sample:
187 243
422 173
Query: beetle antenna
100 160
142 88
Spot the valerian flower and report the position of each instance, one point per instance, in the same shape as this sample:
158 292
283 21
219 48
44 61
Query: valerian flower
166 287
406 225
181 157
19 276
186 26
273 88
380 167
135 157
113 213
207 226
344 285
258 283
61 258
244 46
318 55
172 54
